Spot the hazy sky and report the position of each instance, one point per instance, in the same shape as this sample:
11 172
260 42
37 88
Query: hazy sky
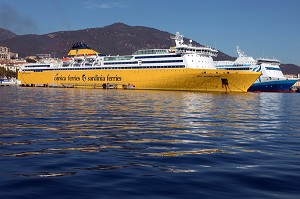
262 28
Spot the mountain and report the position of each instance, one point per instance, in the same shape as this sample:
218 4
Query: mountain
115 39
6 34
290 69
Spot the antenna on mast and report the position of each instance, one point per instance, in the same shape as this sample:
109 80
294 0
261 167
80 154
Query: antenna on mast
240 52
178 39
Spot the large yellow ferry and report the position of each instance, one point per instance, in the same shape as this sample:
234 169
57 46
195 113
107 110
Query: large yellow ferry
184 67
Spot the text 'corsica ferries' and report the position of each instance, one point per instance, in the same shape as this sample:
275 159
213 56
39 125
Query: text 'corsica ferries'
184 67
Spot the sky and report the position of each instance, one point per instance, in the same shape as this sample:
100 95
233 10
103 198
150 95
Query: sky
261 28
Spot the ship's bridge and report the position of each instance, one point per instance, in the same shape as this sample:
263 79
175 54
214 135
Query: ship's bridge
197 50
183 48
268 61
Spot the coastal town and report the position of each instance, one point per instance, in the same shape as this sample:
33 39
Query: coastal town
10 64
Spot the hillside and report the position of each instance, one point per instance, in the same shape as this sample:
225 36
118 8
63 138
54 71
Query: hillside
115 39
290 69
6 34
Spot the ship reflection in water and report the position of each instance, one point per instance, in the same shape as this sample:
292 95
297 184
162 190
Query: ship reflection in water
94 143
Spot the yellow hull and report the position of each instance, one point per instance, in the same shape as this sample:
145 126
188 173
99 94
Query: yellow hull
158 79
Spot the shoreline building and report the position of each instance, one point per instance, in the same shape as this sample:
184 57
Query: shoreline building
5 53
9 60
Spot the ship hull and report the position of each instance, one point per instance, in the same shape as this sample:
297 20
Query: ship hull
156 79
273 86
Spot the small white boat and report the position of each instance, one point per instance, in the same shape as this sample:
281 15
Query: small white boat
9 82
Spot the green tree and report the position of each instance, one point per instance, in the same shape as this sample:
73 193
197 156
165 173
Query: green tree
2 72
7 73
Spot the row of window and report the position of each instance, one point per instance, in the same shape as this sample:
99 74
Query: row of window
239 68
151 51
147 62
4 56
117 63
272 68
116 58
109 68
36 66
157 56
233 65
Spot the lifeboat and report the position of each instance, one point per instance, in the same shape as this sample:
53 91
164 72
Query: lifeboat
66 59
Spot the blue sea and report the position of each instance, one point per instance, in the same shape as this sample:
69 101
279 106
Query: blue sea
94 143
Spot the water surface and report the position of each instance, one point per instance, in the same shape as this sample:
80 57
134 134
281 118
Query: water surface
94 143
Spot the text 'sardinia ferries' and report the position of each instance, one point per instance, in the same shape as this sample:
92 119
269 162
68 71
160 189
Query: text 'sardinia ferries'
272 78
184 67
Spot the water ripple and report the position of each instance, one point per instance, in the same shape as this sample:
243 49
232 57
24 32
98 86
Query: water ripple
87 143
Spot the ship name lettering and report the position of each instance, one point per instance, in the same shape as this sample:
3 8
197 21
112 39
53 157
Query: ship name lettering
96 78
114 78
61 78
73 78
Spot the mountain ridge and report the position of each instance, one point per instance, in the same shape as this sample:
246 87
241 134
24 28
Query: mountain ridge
114 39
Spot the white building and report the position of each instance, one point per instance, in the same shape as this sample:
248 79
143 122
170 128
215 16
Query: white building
4 53
9 60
